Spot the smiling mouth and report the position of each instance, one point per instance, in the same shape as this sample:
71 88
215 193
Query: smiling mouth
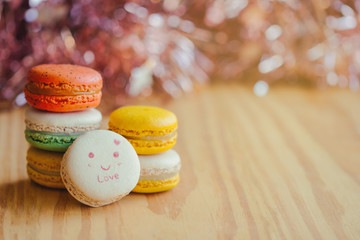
105 169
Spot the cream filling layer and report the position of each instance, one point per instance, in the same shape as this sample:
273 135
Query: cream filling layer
153 138
157 177
49 173
56 133
154 174
57 92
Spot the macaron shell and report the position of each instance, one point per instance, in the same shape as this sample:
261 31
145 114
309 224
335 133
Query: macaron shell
68 103
65 77
67 123
45 180
56 143
154 186
83 197
139 121
148 147
100 167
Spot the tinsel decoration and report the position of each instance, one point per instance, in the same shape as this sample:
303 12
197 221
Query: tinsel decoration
168 46
314 43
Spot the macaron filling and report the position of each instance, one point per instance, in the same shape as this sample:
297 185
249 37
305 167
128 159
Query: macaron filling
159 174
128 132
73 134
156 178
50 138
50 173
59 91
154 138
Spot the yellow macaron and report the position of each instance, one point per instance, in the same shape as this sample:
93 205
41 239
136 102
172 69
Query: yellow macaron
43 167
150 130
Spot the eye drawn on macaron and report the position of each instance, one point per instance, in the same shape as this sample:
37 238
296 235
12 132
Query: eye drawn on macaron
91 155
116 153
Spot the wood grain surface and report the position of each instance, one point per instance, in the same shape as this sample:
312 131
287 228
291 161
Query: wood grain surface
286 166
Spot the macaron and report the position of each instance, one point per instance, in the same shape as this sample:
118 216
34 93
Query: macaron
100 167
43 167
159 172
149 129
63 87
57 131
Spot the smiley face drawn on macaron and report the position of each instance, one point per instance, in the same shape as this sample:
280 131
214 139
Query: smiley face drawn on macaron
115 155
113 162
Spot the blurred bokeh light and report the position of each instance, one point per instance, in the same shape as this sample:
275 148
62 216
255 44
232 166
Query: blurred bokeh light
170 46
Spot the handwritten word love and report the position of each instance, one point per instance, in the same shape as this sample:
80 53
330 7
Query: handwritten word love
107 178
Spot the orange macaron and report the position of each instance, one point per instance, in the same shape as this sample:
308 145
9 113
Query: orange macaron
63 87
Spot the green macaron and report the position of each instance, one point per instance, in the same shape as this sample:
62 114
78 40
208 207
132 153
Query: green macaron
57 131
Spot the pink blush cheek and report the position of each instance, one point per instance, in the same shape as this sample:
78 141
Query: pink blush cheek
116 154
89 165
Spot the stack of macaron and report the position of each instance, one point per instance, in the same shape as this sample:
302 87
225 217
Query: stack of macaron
97 167
63 99
152 133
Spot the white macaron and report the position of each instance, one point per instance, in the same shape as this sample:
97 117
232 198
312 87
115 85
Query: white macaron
159 172
100 167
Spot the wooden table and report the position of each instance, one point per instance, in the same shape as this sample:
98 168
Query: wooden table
286 166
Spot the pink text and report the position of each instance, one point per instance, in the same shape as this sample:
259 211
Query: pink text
107 178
